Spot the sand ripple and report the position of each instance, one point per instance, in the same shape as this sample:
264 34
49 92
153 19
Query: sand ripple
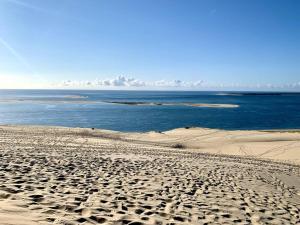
58 176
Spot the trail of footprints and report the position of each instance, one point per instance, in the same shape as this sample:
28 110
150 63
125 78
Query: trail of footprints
99 183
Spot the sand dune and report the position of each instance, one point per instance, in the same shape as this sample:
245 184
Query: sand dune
51 175
281 146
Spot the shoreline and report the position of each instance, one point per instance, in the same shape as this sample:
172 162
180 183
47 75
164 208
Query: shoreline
187 128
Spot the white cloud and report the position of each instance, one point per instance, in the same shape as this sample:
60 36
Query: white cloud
125 82
264 86
122 81
175 83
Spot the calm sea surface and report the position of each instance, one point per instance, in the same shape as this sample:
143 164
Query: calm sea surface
88 109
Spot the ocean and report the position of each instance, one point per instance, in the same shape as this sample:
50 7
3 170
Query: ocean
85 108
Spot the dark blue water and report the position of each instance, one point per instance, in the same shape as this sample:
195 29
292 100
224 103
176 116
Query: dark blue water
66 108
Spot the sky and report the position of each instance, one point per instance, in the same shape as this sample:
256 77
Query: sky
150 44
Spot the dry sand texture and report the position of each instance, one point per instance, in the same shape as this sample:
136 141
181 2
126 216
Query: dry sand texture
84 176
283 146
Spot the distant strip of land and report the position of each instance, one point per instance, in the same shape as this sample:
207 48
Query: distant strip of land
259 93
77 100
208 105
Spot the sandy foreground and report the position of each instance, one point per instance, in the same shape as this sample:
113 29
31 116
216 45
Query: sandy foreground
52 175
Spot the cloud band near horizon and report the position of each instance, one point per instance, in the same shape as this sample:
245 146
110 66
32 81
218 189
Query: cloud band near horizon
123 81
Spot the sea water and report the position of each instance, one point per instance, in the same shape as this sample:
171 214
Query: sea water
85 108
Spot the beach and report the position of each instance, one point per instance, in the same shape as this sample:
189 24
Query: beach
149 112
60 175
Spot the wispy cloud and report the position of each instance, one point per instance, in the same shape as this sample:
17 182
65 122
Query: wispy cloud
16 54
27 5
58 11
259 86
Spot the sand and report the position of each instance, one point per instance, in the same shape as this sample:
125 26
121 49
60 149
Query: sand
281 145
74 99
52 175
204 105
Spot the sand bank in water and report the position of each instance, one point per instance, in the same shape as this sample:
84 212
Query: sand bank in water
51 175
208 105
77 100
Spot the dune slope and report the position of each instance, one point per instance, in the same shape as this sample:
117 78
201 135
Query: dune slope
83 176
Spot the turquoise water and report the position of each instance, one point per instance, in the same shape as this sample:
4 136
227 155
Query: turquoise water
89 109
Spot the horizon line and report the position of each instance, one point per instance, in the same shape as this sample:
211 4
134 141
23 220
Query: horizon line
146 90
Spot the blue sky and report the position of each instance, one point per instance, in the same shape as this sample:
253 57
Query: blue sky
150 44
